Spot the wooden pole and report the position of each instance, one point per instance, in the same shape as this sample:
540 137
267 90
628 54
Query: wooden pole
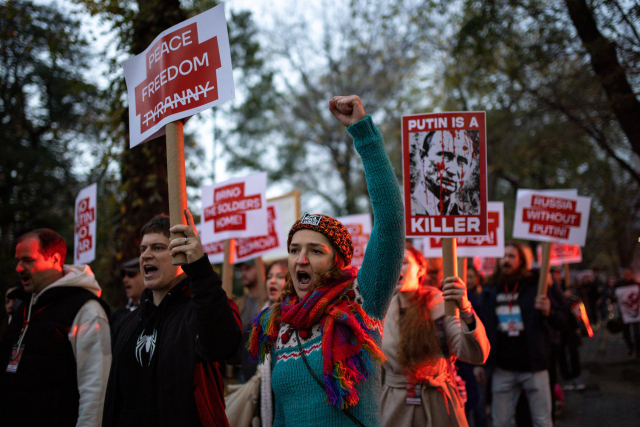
544 268
260 276
567 276
177 183
462 269
227 266
449 269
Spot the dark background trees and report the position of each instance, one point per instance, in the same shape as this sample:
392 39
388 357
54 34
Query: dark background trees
559 82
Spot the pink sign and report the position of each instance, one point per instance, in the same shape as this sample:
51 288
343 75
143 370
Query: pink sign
359 227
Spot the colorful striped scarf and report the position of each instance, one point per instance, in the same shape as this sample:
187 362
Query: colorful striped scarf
350 350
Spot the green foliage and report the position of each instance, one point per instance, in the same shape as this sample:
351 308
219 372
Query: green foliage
46 105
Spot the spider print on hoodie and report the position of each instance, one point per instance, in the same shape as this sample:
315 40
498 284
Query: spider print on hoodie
146 345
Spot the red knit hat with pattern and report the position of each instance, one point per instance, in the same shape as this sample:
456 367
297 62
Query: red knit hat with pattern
331 228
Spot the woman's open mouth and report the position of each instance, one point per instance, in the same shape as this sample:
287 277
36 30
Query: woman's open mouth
304 279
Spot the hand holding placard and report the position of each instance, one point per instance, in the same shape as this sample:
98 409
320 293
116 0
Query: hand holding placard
190 246
347 109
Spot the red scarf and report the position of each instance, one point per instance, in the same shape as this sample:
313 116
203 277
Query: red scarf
350 349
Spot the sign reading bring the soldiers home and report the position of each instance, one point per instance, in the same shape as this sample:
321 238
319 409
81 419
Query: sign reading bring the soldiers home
235 208
273 243
444 169
187 69
547 217
85 225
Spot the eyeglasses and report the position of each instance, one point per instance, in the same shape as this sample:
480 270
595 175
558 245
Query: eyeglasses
130 274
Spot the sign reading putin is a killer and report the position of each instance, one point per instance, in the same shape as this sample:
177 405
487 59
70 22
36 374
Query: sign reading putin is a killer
186 70
234 209
85 225
444 160
548 216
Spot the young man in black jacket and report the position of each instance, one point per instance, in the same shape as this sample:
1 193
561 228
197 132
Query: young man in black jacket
518 323
166 353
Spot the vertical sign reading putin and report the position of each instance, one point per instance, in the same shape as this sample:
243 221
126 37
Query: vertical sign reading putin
85 225
186 69
234 209
444 169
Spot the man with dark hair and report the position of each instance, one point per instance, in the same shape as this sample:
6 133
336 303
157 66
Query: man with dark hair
166 353
448 160
133 287
250 306
56 350
518 325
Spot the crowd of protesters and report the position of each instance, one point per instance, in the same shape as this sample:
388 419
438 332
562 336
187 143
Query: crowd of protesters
323 344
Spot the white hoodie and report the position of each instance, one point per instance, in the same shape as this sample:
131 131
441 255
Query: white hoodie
91 343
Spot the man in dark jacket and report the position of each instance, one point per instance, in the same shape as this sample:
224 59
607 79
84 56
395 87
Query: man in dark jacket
517 322
166 353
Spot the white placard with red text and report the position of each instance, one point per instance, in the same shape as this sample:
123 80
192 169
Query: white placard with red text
629 303
234 209
562 253
359 227
491 245
444 159
85 225
547 217
185 70
274 243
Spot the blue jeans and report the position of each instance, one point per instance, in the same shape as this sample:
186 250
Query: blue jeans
506 388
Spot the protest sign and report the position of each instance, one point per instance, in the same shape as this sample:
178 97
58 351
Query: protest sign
629 303
444 174
485 266
491 245
359 227
235 208
284 210
274 241
545 217
185 70
562 253
85 225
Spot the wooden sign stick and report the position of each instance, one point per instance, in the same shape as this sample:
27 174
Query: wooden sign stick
462 269
177 181
227 266
449 269
544 268
567 276
262 281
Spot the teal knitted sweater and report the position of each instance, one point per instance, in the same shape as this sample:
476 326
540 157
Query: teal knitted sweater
300 401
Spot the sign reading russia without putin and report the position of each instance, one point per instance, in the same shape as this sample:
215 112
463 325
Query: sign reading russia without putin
186 70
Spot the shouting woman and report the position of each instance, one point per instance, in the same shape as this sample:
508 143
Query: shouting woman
419 386
324 332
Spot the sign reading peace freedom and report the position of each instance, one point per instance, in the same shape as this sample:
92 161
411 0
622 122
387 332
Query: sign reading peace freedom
186 70
445 174
491 245
234 209
85 225
359 227
547 217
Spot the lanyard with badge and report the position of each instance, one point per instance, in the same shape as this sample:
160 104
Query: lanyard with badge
18 349
511 325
